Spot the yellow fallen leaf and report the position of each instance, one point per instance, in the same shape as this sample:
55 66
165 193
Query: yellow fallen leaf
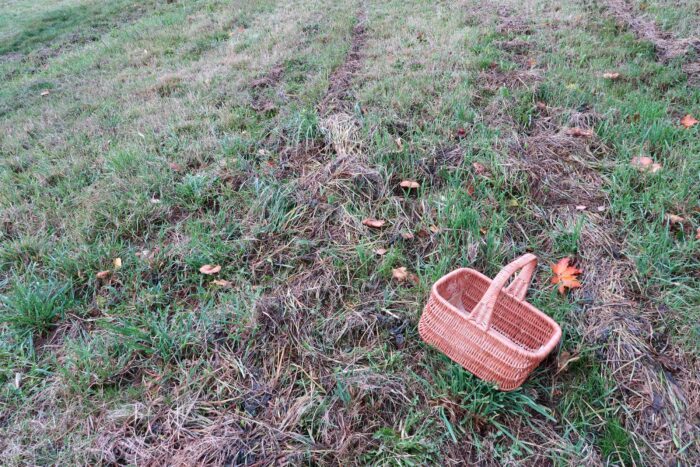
222 283
117 263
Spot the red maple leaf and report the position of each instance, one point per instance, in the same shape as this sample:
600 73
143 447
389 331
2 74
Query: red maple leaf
565 275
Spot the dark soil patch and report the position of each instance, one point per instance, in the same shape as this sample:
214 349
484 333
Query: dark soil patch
340 80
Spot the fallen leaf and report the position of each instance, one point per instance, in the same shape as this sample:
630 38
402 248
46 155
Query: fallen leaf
688 121
479 168
175 166
613 75
103 274
579 132
400 274
541 105
117 263
434 229
45 92
697 234
532 62
645 164
565 275
399 143
374 223
380 251
407 235
409 184
674 219
461 133
565 358
209 269
422 233
581 207
155 201
600 208
470 190
222 283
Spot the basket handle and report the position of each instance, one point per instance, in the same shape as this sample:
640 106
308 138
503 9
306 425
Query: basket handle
482 312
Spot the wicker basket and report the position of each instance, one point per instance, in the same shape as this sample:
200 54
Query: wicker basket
491 331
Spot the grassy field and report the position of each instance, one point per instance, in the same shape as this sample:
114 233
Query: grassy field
140 141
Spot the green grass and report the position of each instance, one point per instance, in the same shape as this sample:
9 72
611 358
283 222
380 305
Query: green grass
154 146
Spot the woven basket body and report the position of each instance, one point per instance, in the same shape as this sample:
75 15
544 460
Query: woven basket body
488 329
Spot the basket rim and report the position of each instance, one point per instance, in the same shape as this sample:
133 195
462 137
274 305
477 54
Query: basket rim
539 354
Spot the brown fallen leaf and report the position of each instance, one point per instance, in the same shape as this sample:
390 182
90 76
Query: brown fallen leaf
645 164
434 229
409 184
400 274
613 75
380 251
422 233
674 219
374 223
222 283
407 235
565 358
399 143
470 190
541 105
461 133
209 269
175 166
103 274
565 276
579 132
479 168
697 234
688 121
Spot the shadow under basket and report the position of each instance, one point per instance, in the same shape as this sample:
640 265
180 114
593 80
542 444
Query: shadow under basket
486 328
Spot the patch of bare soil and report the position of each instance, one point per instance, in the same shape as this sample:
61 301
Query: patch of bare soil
337 98
667 46
262 88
